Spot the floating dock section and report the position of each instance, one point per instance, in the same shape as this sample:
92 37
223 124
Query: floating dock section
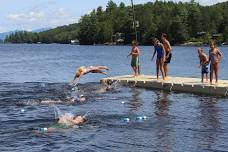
178 84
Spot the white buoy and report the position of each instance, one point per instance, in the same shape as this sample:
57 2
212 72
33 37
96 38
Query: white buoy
123 102
22 110
126 120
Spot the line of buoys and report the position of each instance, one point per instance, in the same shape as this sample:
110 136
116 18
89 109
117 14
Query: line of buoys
139 118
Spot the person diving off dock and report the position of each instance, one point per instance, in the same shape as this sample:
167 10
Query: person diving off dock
83 70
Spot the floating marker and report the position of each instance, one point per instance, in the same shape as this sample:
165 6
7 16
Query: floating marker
123 102
141 118
22 110
43 129
72 89
126 119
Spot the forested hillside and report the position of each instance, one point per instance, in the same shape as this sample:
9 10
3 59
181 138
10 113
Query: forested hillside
181 21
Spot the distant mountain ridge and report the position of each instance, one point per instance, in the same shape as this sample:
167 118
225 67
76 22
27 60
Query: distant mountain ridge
5 34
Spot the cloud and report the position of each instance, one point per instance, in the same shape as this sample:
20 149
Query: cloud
41 18
29 16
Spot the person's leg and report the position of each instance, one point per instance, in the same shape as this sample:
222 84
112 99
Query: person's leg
157 68
165 69
202 76
137 70
206 77
216 68
134 70
103 67
162 68
98 71
211 72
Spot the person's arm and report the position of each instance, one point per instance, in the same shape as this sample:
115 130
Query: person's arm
154 54
220 53
129 54
170 48
164 52
76 79
205 59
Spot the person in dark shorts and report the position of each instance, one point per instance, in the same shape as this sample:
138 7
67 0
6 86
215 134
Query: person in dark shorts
203 64
135 58
168 56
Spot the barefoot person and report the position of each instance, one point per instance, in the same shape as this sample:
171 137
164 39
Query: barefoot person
135 52
203 64
159 49
91 69
168 49
215 56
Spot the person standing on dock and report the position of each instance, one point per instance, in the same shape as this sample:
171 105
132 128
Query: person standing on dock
168 56
215 56
135 52
203 63
161 54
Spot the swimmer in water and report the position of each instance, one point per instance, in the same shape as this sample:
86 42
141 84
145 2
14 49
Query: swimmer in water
90 69
64 121
80 98
70 120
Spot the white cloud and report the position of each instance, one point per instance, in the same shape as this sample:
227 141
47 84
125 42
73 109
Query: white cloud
41 18
29 16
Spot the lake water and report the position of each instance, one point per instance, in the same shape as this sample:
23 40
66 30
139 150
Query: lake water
34 76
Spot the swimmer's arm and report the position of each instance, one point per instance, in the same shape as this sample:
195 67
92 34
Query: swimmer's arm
76 79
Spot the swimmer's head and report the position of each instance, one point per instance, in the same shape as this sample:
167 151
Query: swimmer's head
79 71
80 119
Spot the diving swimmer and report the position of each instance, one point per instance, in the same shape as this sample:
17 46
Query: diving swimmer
90 69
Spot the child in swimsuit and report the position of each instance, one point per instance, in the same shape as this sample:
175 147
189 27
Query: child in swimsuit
159 49
203 64
135 58
215 56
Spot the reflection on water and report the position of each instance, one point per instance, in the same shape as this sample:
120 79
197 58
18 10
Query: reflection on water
209 121
162 103
135 101
201 122
163 135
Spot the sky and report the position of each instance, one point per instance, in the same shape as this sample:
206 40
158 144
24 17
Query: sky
35 14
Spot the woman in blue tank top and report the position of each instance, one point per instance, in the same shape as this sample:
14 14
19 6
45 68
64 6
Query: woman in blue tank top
159 49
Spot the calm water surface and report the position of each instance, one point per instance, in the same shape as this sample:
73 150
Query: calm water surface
33 74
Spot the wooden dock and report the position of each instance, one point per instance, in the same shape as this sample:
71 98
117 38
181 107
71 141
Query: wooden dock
178 84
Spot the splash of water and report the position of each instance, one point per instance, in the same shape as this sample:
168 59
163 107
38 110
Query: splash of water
57 111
